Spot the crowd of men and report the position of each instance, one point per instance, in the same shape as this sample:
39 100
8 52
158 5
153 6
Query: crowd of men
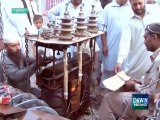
130 42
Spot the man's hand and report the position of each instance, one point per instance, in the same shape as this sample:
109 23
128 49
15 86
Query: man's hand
129 85
41 59
44 61
137 81
118 68
105 51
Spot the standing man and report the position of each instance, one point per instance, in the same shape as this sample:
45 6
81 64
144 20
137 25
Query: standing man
119 104
132 51
17 22
74 9
116 15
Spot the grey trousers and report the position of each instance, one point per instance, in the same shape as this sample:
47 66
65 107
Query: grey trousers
119 104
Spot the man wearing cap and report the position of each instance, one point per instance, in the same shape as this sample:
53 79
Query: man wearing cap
17 72
119 104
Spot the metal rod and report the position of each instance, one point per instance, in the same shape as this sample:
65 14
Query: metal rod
53 63
37 58
94 47
65 59
80 63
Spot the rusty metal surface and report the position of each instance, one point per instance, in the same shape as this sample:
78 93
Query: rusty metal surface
52 87
9 112
38 115
6 110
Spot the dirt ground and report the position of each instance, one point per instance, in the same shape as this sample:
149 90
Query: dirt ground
92 112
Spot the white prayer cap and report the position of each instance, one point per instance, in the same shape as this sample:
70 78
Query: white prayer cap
11 38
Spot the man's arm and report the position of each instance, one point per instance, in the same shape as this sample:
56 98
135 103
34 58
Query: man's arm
150 80
104 44
130 85
124 46
17 75
55 11
31 60
147 89
103 22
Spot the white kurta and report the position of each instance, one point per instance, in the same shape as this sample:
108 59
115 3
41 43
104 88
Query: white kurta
132 51
115 17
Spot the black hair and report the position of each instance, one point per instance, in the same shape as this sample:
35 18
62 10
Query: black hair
152 32
105 2
37 17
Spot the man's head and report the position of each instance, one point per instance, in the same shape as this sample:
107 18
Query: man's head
152 37
138 7
38 21
12 44
121 2
105 2
76 2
